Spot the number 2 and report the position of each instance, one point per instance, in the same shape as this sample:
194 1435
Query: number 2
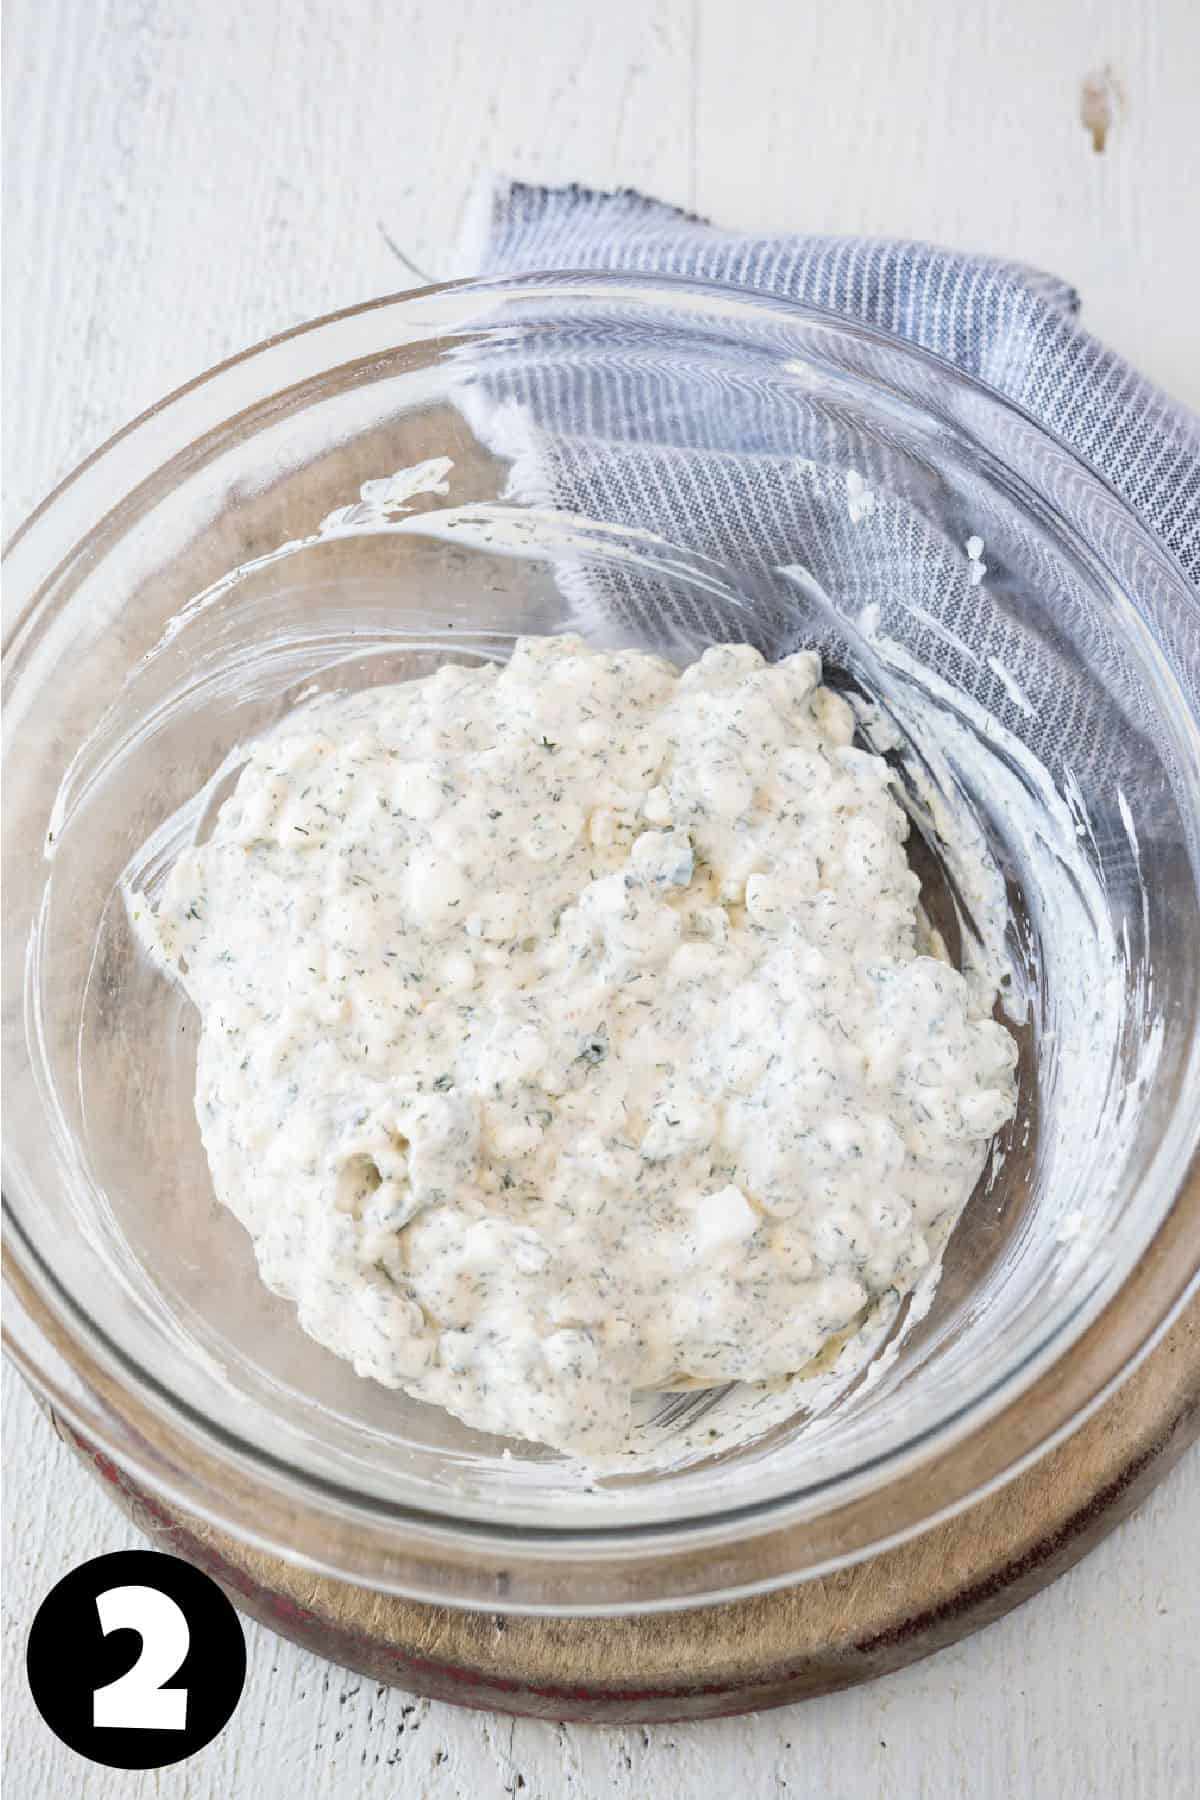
137 1700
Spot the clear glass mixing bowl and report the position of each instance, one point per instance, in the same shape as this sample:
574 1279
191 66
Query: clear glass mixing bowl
666 449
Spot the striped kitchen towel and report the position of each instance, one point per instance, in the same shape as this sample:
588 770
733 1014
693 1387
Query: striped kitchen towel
591 432
1012 327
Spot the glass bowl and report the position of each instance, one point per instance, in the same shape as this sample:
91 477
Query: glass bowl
642 461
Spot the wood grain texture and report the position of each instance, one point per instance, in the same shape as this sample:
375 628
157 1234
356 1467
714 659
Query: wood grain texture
711 1662
1086 1691
182 179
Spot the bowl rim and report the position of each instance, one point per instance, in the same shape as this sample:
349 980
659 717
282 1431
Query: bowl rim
773 1516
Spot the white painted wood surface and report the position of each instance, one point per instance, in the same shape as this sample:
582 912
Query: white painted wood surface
182 179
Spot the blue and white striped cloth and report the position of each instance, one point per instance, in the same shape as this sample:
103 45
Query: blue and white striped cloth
1013 327
590 433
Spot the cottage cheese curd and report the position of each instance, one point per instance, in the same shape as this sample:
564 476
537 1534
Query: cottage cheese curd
566 1031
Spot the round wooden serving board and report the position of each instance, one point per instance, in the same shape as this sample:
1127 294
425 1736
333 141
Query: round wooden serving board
747 1654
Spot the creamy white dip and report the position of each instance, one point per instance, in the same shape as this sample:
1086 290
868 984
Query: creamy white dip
565 1031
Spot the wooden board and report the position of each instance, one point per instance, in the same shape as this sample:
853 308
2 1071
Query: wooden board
154 145
789 1645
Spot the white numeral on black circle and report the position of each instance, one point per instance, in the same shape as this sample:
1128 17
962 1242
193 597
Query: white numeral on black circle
137 1700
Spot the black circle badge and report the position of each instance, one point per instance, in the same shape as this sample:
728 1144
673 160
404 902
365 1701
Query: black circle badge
136 1659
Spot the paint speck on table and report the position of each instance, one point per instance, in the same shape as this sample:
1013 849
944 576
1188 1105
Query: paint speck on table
184 180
